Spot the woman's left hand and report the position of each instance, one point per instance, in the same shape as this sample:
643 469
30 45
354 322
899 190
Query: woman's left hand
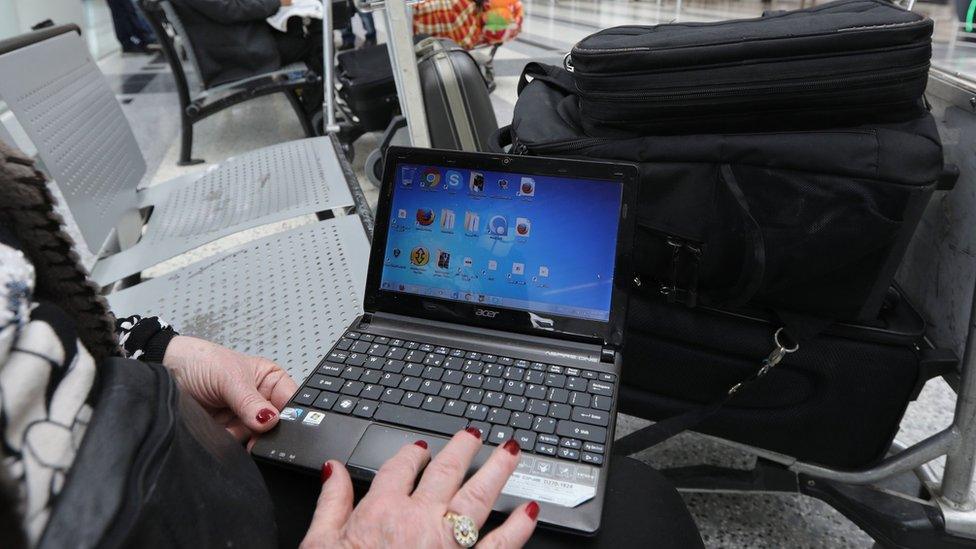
243 393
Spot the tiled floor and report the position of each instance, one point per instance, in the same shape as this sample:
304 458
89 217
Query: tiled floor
551 27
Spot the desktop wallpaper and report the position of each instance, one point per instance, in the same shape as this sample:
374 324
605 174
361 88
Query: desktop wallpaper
544 244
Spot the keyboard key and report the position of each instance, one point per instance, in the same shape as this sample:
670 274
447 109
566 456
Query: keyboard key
394 366
352 373
473 380
360 347
472 395
488 358
434 360
525 439
344 405
573 443
476 412
415 356
538 366
344 344
325 401
452 376
442 350
522 363
372 392
521 420
593 447
555 380
472 366
473 355
572 372
560 411
353 335
352 388
367 337
365 409
568 453
535 391
433 403
553 369
549 439
432 372
411 345
306 396
378 350
579 399
559 395
451 391
419 419
545 449
500 434
499 416
426 347
483 427
493 384
591 416
412 399
537 407
391 380
325 383
413 369
493 398
392 396
371 376
330 369
608 377
505 361
457 353
381 340
494 370
396 343
592 459
431 387
576 384
601 403
514 373
454 363
601 388
588 433
544 425
410 383
356 359
516 403
535 377
396 353
588 374
514 387
337 356
454 407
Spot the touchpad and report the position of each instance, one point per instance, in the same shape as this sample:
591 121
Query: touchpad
380 443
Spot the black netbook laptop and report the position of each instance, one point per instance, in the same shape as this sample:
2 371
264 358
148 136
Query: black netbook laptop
495 298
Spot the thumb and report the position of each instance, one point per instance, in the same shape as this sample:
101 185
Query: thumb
250 406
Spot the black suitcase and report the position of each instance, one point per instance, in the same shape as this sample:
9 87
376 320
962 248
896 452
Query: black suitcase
839 62
837 401
811 222
367 86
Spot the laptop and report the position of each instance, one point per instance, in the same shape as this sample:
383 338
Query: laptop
495 298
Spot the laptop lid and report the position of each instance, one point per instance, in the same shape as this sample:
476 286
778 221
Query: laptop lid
514 243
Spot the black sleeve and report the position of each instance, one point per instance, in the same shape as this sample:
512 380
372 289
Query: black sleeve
145 339
235 11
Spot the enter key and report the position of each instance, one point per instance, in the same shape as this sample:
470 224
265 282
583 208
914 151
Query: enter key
591 416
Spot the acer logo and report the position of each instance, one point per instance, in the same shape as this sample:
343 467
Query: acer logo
485 313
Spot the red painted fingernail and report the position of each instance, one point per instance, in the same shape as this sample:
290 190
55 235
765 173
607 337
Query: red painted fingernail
326 471
422 444
532 509
475 432
511 447
265 416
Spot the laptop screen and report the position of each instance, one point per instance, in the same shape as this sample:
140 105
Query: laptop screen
536 243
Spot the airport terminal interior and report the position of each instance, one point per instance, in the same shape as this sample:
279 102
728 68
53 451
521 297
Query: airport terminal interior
145 87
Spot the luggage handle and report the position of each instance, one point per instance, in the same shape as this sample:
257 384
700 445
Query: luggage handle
556 76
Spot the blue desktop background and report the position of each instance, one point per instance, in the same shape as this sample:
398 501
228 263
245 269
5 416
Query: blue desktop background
572 231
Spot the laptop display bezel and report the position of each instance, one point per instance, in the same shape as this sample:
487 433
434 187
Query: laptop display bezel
491 316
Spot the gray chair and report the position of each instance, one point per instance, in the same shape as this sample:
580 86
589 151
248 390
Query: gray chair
66 107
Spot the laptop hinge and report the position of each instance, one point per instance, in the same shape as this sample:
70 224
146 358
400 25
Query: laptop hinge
608 355
365 321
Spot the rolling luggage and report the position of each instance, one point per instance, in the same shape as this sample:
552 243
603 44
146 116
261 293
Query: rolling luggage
838 63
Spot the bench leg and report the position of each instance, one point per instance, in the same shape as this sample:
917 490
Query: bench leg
296 104
186 147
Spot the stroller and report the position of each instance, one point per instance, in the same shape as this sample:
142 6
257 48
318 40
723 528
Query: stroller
476 25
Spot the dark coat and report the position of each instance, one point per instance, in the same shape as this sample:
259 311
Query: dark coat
231 38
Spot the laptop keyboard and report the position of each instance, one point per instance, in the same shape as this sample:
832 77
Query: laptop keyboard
548 409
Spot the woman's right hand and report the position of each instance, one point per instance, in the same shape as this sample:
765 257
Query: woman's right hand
395 514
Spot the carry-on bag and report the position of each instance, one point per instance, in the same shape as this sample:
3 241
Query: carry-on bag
837 401
838 63
367 85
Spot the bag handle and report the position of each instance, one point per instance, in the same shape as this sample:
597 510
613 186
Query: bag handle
557 76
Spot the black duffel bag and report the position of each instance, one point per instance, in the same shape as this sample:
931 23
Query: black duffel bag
809 221
826 65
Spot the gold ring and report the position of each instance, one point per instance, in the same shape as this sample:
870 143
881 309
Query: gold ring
465 530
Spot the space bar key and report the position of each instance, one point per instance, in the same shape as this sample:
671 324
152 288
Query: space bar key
419 419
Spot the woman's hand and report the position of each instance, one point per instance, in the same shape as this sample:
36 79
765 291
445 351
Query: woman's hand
243 393
394 514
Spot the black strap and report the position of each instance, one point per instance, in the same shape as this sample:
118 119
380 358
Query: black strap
557 76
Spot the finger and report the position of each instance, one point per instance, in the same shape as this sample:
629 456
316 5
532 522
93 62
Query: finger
276 385
333 508
255 411
515 531
446 472
399 473
477 496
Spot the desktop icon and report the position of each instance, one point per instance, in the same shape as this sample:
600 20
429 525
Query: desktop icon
419 256
523 226
518 268
468 262
431 178
544 271
447 220
498 226
527 187
454 179
406 177
503 184
477 184
492 265
444 260
471 222
425 217
402 214
396 252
